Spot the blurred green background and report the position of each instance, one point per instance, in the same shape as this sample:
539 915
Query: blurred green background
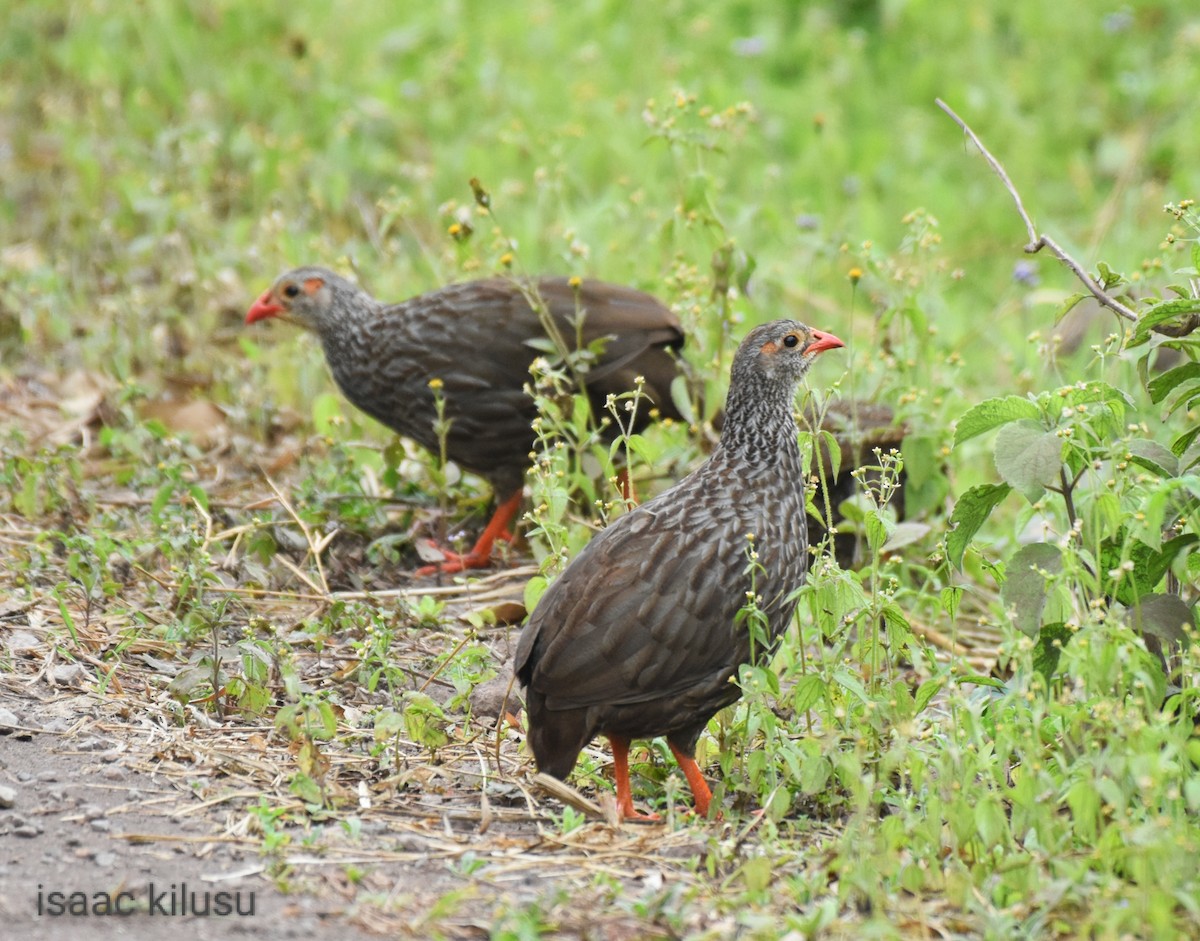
162 163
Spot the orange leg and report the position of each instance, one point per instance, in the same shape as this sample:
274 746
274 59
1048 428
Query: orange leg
620 747
691 771
480 555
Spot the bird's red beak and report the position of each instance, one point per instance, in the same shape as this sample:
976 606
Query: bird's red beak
821 342
266 306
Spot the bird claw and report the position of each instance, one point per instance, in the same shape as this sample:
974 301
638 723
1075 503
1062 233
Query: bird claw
453 562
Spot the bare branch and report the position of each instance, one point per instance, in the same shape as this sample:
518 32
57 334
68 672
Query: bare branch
1036 241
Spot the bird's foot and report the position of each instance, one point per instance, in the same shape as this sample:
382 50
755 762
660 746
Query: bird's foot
453 562
626 812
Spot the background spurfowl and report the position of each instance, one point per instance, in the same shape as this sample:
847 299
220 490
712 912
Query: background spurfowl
478 338
639 636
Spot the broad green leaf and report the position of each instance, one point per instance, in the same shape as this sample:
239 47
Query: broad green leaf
1161 386
1147 565
905 534
993 413
1028 457
1084 801
1153 456
877 528
951 597
1088 392
1161 314
1025 588
534 589
1050 641
991 821
925 692
970 513
807 692
1166 617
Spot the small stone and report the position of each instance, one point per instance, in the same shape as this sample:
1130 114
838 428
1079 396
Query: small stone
488 698
23 642
105 859
67 674
47 776
102 825
112 772
27 831
8 719
8 796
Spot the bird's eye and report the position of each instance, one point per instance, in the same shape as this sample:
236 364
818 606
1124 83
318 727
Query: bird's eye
791 341
291 291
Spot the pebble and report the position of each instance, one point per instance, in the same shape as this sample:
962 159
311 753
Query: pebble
487 698
46 776
23 641
27 830
105 858
8 796
66 674
102 825
8 719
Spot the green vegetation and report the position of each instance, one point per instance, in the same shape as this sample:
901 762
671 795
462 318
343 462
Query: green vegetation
986 731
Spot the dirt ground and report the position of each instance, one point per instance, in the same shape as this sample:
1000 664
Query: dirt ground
102 797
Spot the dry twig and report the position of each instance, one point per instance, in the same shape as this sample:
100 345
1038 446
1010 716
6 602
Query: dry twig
1038 241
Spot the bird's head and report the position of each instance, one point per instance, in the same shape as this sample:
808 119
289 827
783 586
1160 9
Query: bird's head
783 350
304 296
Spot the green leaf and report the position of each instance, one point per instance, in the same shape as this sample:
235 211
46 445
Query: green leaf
1161 314
991 821
1084 801
992 413
878 528
1148 565
1107 277
1052 638
979 679
1069 305
951 597
1028 457
1183 443
1153 456
925 692
1166 617
807 692
1161 386
970 513
1025 587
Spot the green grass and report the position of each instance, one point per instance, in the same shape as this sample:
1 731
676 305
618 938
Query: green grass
163 162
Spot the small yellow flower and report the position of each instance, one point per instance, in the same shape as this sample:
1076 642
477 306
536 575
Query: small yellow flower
576 282
436 384
506 259
455 229
855 275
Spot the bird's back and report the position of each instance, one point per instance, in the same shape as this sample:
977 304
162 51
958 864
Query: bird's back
641 633
479 339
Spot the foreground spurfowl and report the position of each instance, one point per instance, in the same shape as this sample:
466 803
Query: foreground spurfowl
479 339
639 637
